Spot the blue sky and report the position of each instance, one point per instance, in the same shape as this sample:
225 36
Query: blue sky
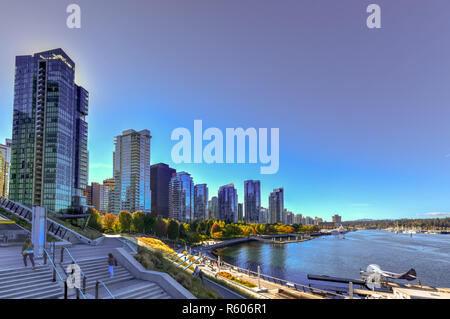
363 114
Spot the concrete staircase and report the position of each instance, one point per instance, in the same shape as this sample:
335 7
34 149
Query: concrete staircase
144 290
25 283
122 286
97 269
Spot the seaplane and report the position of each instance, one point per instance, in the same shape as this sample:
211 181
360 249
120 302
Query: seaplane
375 277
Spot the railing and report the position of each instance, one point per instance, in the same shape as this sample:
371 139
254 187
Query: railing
53 227
75 263
78 291
279 281
198 259
55 271
106 288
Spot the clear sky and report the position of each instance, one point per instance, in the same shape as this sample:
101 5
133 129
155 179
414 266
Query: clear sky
363 114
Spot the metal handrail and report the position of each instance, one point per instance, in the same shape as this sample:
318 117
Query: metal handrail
82 294
274 279
173 260
192 263
53 265
109 292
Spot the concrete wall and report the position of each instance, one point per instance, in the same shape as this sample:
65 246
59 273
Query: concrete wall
170 285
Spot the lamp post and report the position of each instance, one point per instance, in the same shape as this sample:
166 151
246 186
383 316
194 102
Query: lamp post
259 277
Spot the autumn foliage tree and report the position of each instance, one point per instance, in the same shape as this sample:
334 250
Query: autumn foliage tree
109 221
215 228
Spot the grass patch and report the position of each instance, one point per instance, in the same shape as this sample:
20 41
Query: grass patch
153 260
87 232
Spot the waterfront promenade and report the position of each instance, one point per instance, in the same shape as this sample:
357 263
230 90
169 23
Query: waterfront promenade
270 239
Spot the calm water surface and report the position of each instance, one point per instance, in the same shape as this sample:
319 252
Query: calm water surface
428 254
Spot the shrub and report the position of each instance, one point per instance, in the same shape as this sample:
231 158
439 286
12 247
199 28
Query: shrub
235 279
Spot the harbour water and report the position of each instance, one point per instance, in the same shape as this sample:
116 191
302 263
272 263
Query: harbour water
428 254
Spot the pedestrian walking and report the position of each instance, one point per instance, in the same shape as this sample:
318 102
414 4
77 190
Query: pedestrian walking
28 251
112 262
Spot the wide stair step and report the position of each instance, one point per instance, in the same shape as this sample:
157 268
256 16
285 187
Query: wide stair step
23 283
146 291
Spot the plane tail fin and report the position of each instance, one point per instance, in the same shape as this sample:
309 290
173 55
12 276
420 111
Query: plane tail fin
409 275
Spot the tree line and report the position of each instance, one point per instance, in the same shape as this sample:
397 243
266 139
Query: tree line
424 223
198 230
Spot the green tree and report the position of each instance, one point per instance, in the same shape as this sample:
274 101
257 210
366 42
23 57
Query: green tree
161 227
125 220
173 229
95 220
138 221
182 232
150 223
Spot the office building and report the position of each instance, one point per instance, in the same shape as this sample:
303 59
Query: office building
49 157
264 215
161 175
337 220
317 220
252 200
132 172
289 218
213 208
100 197
240 212
181 197
298 219
228 203
308 221
5 163
276 206
201 201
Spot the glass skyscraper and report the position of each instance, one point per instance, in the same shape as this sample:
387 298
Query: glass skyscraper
181 197
276 206
49 157
228 203
213 208
252 200
132 172
201 201
5 162
161 175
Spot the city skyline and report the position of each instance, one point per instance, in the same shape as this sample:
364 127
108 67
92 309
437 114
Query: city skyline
362 131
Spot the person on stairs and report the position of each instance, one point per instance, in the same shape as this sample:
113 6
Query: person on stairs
28 251
111 263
